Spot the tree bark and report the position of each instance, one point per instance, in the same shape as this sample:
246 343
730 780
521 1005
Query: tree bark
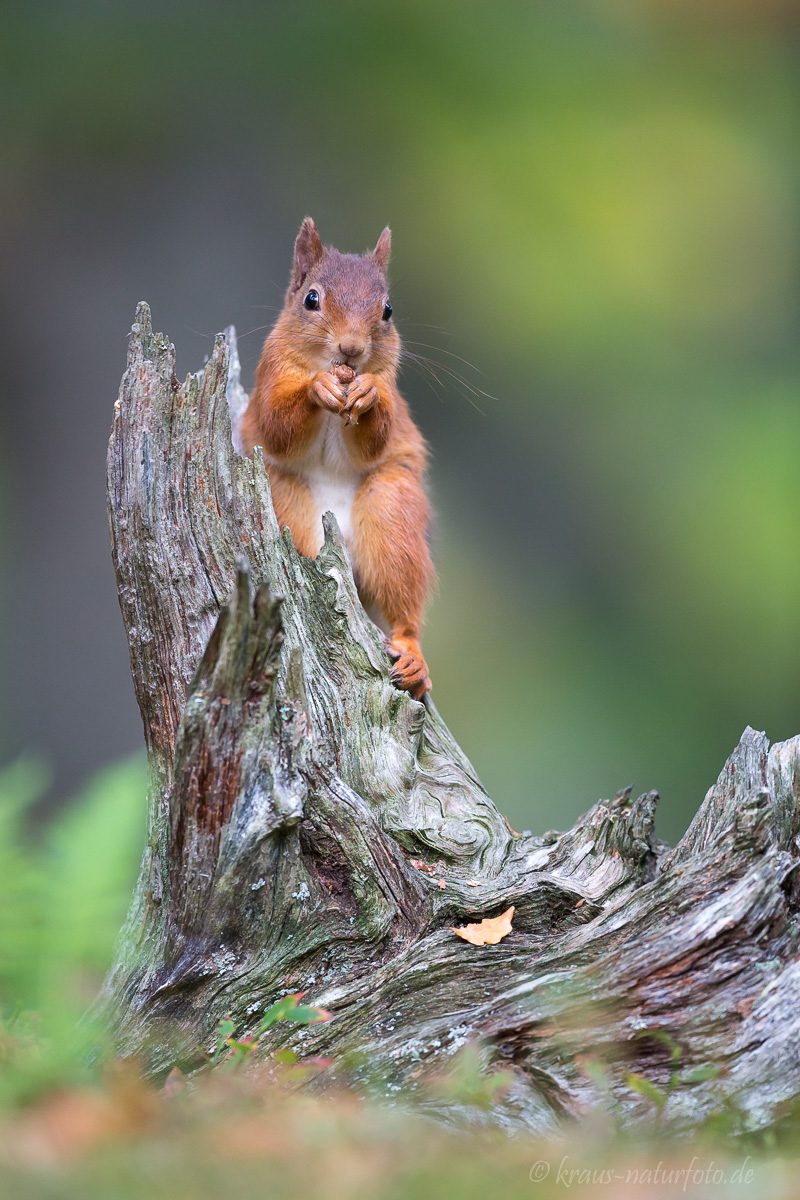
314 829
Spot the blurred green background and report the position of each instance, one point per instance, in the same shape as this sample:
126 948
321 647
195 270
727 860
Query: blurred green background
594 208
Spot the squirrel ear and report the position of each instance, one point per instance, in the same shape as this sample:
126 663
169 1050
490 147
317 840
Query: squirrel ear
383 249
307 252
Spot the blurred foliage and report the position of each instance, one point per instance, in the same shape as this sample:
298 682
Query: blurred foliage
76 1124
63 897
598 200
245 1132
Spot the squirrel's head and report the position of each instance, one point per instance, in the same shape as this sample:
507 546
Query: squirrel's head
338 304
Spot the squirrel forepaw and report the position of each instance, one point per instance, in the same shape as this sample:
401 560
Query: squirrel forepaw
327 391
362 395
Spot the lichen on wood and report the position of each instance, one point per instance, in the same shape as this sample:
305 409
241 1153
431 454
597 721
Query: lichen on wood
314 829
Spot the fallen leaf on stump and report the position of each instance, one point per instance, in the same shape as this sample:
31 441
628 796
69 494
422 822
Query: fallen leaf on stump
489 931
428 868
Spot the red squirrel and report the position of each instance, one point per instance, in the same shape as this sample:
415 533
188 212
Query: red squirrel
338 436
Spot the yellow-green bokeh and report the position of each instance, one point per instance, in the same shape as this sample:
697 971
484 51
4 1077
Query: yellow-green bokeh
595 204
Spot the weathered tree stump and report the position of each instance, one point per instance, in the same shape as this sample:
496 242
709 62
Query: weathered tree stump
312 828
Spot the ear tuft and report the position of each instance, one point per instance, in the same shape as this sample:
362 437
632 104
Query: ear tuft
383 249
307 252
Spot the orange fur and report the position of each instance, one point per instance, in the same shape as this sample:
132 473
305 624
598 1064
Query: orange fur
355 442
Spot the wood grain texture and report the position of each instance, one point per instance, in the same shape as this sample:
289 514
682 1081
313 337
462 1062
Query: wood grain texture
294 789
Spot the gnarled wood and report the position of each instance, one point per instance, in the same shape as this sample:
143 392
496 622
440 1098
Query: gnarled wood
312 828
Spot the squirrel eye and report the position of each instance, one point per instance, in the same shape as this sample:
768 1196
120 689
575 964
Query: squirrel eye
387 311
312 300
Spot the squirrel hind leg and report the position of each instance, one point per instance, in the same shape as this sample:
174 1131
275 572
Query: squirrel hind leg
409 670
393 565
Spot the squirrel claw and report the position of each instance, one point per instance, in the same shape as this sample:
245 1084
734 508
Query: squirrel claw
410 671
362 395
327 392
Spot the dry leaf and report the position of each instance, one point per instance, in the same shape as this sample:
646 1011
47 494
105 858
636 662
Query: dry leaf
442 883
490 930
473 883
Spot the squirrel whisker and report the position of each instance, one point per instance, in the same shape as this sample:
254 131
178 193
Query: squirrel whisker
450 354
432 366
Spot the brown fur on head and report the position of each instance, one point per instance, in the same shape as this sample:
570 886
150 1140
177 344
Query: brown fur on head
349 324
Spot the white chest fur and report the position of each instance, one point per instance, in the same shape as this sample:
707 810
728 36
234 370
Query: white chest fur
331 476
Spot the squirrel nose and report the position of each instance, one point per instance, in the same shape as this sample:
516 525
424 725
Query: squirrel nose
351 348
